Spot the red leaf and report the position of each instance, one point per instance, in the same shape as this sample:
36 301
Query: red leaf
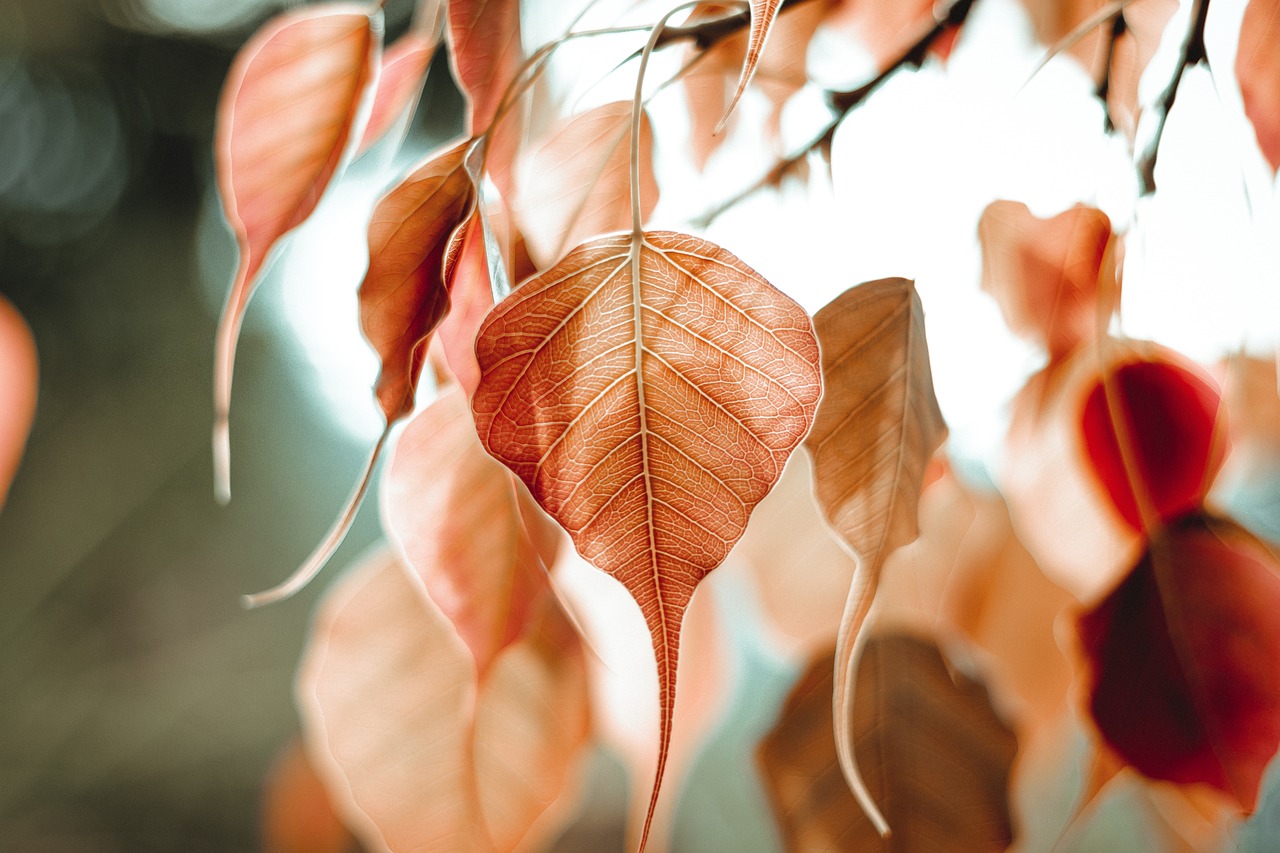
18 375
648 389
404 295
458 518
297 814
1258 70
1161 461
1182 655
485 35
471 294
404 66
286 121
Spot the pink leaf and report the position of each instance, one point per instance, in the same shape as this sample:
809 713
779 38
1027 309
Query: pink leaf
18 375
404 66
1258 70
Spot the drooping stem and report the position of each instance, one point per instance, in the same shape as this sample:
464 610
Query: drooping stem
1192 53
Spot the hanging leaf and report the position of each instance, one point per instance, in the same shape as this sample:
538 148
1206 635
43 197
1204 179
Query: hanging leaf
297 814
648 390
466 275
1258 70
763 14
485 37
574 185
458 519
1151 432
404 295
18 386
875 433
404 67
884 28
416 754
1054 279
1181 655
937 756
289 113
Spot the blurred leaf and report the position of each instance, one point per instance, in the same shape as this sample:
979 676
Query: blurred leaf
486 54
404 67
297 815
18 387
1258 71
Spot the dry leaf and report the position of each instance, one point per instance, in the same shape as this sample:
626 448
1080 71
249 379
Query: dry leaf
763 13
286 121
404 67
297 815
468 530
883 27
18 385
648 390
415 753
937 756
1258 71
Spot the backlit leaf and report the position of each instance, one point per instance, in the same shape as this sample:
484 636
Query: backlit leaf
415 753
18 375
289 114
648 390
876 430
1182 654
456 515
763 14
466 275
937 756
1258 70
485 37
404 66
883 27
574 185
297 815
1053 278
404 295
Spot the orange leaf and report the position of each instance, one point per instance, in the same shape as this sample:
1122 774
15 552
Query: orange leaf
416 754
1258 70
286 121
456 515
876 431
575 184
1053 278
485 36
404 66
883 27
939 756
404 296
466 275
18 386
297 815
763 14
648 389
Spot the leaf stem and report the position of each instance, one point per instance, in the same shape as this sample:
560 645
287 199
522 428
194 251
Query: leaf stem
1193 52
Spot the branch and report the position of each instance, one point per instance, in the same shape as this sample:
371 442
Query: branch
1118 28
1193 53
706 33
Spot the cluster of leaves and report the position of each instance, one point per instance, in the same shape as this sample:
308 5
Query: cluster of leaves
642 391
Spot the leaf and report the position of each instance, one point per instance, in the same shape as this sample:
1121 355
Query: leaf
485 36
457 517
648 390
416 754
574 185
938 757
404 67
1054 279
1181 659
1151 433
763 14
883 27
1258 70
467 279
297 815
876 430
404 295
18 388
288 116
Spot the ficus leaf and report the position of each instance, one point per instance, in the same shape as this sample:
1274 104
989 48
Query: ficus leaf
18 381
290 113
415 752
404 67
877 428
457 517
1258 70
648 390
937 756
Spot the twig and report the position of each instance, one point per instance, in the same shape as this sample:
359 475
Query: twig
1193 53
1118 28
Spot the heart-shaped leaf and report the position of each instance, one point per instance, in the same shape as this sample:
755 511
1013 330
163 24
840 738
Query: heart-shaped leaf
877 428
18 379
938 757
288 117
1181 658
404 66
648 390
1258 70
416 754
458 519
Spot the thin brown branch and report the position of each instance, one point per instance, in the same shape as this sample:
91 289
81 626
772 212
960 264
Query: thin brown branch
1193 53
1103 89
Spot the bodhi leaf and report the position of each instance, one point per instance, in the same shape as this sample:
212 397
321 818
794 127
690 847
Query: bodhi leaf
648 390
457 518
1181 659
877 428
936 753
415 752
404 66
290 111
1258 70
18 380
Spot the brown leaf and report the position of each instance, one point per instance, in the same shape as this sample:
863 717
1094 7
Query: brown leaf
468 530
297 814
18 386
937 756
883 27
466 275
404 67
876 430
574 185
404 296
415 753
1054 279
648 390
763 13
286 120
1258 70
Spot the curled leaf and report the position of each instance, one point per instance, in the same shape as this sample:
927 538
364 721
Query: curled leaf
1258 71
416 754
648 390
18 380
289 114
